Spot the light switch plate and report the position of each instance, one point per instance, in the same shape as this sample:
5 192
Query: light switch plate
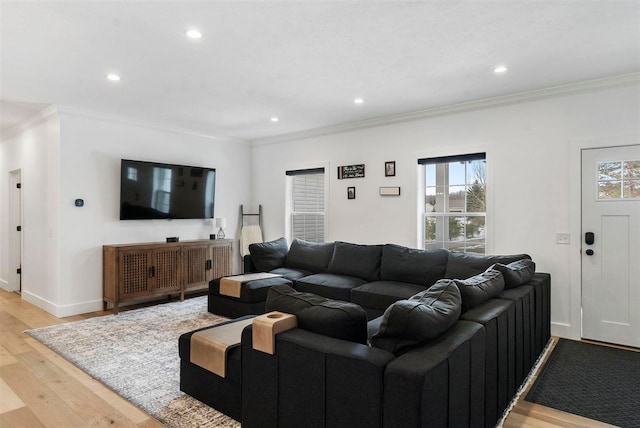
562 238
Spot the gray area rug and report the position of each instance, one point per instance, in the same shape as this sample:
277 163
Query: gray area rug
135 353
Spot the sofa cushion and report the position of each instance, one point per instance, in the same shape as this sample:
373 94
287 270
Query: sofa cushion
291 274
411 265
466 265
329 285
479 288
269 255
410 323
516 273
342 320
310 256
382 294
361 261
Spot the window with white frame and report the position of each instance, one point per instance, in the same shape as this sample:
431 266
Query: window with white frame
307 212
455 204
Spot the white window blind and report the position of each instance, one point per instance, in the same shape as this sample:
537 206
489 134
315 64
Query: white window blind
307 205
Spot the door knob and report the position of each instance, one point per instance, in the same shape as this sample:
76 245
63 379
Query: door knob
589 252
589 238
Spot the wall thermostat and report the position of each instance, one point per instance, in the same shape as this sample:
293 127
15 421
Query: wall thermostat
79 202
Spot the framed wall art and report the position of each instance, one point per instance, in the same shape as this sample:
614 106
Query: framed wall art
351 192
390 169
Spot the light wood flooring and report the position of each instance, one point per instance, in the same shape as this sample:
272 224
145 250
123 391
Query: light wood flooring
38 388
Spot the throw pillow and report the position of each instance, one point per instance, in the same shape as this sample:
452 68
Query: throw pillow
334 318
361 261
479 288
516 273
310 256
420 267
425 316
270 255
466 265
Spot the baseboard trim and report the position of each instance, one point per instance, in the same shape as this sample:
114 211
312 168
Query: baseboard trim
4 285
40 302
561 330
61 311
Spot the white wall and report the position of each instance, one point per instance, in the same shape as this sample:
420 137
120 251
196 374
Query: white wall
528 155
35 150
78 155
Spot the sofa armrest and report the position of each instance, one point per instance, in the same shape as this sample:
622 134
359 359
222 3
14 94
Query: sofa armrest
312 380
440 384
248 265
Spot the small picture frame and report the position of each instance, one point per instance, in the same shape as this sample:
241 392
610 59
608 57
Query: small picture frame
390 191
351 192
390 169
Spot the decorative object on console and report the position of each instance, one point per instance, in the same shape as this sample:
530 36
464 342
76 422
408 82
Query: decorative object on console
351 171
390 169
351 192
389 191
221 223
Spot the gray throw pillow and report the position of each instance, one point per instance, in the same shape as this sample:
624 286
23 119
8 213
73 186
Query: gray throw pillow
334 318
267 256
516 273
479 288
409 323
466 265
310 256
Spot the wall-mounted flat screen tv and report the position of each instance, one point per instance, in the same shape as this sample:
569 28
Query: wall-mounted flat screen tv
150 190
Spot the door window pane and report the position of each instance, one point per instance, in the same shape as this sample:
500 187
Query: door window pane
618 180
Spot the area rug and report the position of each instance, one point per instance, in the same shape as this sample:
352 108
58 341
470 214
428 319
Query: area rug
593 381
135 353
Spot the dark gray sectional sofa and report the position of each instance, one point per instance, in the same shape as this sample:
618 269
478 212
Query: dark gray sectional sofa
449 337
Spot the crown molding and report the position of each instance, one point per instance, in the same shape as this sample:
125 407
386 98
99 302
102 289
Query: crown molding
92 114
34 120
517 98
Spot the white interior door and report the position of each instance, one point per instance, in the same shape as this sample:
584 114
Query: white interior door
611 255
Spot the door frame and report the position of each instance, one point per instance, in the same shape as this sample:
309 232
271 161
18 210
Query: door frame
573 330
16 246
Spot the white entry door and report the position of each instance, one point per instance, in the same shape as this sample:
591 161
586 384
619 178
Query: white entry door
611 245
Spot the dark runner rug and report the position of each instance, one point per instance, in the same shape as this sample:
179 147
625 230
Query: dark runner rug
593 381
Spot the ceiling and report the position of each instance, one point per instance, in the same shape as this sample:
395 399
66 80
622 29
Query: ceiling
302 61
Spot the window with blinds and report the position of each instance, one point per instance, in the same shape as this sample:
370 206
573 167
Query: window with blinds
307 204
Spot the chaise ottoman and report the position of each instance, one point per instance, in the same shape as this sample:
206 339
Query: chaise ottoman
250 299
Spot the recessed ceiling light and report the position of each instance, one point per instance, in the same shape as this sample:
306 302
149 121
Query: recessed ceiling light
193 33
275 119
500 69
113 77
358 100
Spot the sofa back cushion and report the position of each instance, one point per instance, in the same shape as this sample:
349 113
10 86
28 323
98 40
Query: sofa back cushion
334 318
480 288
361 261
466 265
420 267
310 256
516 273
270 255
414 322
